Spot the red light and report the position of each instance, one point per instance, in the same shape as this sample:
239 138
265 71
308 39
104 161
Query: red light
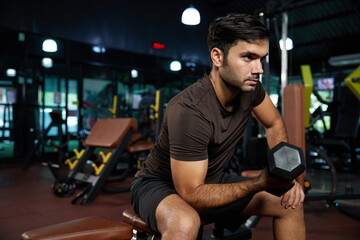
157 45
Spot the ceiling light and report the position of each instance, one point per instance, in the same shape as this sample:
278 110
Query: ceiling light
288 43
47 62
98 49
10 72
175 66
49 45
190 16
134 73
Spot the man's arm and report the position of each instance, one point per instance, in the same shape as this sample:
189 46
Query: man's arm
189 177
270 118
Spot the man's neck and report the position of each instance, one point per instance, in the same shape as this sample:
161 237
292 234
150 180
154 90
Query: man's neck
224 93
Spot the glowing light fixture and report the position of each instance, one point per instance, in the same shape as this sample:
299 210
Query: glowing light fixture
175 66
190 16
10 72
47 62
21 37
49 45
134 73
98 49
288 43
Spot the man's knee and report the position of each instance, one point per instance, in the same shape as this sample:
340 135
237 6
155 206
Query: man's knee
177 218
297 212
189 222
183 226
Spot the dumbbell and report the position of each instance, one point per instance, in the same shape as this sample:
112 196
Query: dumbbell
64 187
285 162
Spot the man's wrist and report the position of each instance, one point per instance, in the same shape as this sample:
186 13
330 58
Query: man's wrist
259 184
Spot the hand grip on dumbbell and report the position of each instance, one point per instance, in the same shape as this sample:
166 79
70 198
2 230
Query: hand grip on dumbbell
285 162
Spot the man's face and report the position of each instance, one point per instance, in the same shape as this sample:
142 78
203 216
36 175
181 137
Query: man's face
244 64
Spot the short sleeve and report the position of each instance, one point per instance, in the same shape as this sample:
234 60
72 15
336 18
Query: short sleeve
189 133
258 94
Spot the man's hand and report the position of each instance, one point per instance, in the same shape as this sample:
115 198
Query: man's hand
294 197
271 182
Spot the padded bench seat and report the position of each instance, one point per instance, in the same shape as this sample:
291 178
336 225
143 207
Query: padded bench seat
129 216
87 228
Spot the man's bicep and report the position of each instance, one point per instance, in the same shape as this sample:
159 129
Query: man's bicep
188 175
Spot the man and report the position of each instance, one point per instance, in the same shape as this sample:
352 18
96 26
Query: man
182 178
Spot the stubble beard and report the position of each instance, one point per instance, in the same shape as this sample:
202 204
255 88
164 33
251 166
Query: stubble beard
231 80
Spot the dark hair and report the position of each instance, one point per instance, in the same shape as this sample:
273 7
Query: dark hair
225 32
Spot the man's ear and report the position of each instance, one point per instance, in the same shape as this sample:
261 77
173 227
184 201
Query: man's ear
217 57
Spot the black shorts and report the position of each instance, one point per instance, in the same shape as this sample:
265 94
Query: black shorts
149 191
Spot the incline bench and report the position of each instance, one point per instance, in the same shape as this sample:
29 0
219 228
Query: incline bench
111 133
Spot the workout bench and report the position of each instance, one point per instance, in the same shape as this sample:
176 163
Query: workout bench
99 227
111 133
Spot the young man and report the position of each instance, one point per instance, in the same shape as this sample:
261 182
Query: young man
182 178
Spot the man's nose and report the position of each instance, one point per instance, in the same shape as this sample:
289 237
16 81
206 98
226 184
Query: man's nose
258 67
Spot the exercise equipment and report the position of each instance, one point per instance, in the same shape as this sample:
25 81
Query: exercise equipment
158 114
353 82
112 133
308 89
286 161
64 187
131 227
344 126
113 110
117 136
71 162
45 140
338 142
95 227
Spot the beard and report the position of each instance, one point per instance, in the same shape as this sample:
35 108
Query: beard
236 83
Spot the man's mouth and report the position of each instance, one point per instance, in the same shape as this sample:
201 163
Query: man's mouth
253 81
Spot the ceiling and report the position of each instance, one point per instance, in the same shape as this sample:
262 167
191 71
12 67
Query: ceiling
320 29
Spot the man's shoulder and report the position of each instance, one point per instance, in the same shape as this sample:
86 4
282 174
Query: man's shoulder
195 93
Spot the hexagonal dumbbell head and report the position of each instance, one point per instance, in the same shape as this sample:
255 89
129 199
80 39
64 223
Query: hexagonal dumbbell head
286 161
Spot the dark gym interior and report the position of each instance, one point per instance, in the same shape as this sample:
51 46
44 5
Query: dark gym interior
77 121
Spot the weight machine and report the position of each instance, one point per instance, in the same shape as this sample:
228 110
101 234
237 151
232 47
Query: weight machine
45 140
345 131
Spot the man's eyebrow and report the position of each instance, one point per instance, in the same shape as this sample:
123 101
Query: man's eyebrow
253 54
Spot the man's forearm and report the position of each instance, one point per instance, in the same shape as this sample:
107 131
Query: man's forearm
276 134
208 196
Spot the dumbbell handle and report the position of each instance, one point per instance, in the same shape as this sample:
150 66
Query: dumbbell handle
280 190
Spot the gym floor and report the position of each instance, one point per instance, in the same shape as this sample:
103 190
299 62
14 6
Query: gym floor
26 202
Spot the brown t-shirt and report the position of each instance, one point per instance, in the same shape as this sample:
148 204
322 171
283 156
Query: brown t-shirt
196 127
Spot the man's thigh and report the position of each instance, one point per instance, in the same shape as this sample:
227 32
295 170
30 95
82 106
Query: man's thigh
266 204
146 194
